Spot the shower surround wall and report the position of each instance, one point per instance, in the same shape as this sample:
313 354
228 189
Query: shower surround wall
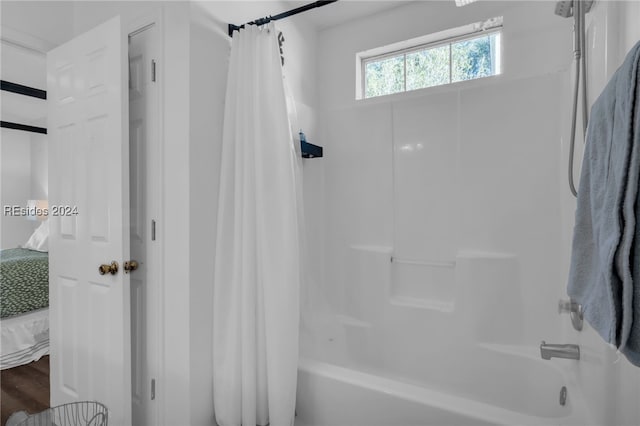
463 186
461 178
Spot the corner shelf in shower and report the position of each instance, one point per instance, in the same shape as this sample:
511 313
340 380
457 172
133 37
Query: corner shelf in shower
310 150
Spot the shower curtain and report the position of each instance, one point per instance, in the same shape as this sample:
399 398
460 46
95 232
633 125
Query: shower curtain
257 266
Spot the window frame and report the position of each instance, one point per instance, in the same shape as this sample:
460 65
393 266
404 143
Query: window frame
448 41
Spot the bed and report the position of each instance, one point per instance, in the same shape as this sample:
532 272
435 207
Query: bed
24 296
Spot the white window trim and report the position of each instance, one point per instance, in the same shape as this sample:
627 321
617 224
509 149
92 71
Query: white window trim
441 38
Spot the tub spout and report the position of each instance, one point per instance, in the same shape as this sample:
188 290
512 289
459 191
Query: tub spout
548 351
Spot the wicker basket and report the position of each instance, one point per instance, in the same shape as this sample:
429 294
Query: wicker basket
84 413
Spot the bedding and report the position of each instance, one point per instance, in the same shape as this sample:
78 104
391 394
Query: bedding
25 338
24 281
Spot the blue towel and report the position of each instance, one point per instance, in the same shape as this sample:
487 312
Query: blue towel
631 348
604 255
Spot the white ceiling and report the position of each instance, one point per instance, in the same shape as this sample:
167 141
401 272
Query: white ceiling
239 12
50 23
344 11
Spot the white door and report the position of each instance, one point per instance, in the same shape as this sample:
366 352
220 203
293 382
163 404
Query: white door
88 177
144 206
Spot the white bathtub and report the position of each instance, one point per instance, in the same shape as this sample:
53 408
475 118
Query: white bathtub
331 395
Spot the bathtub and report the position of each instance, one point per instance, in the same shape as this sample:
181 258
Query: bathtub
332 395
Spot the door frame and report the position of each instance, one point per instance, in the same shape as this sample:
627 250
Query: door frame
156 185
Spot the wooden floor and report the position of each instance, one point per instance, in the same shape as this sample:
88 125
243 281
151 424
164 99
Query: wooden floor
25 388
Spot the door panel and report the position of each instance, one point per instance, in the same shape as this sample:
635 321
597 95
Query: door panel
88 171
144 205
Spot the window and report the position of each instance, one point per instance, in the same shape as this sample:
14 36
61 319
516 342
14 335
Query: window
473 54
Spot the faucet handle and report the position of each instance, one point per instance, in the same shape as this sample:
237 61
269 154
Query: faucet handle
574 309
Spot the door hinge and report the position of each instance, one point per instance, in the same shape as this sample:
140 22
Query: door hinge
153 230
153 389
153 70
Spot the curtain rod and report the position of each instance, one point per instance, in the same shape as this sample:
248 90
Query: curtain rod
26 91
267 19
22 90
24 127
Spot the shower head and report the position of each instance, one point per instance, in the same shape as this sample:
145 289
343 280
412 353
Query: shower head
564 8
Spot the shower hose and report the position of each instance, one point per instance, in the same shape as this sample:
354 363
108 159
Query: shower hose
580 64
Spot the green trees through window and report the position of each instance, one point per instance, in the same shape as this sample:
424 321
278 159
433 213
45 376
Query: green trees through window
432 66
385 76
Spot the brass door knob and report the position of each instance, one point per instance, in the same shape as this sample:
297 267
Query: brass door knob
130 265
109 269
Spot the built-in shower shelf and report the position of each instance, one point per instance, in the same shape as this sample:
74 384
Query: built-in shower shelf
310 150
419 303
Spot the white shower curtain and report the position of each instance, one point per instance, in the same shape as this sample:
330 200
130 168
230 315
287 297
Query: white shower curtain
257 267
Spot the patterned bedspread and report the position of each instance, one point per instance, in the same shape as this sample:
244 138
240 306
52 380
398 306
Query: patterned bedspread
24 281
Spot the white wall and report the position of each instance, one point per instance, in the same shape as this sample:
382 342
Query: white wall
39 167
209 47
177 277
24 177
15 157
24 155
629 12
23 66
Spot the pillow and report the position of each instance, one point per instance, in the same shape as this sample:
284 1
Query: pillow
39 241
